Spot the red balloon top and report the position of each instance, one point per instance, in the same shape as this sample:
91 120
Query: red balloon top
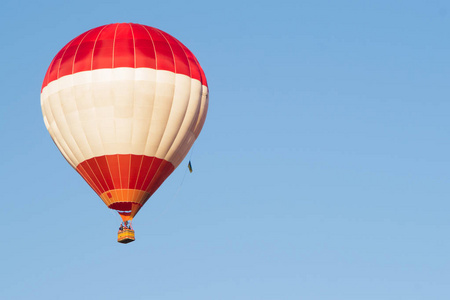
124 45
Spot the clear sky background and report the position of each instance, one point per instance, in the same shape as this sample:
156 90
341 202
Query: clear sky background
322 171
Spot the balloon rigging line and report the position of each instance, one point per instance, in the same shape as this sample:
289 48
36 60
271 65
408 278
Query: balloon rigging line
171 200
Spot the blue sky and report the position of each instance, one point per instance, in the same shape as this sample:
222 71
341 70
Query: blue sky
322 170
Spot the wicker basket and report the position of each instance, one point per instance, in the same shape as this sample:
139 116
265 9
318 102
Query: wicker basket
125 236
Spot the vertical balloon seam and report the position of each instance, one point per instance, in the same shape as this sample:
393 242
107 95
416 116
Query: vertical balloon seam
133 191
161 132
61 124
106 183
95 170
84 35
196 65
62 57
187 121
114 46
125 185
103 143
47 74
158 170
84 174
147 174
148 128
152 185
189 101
134 47
202 115
95 44
93 177
134 187
199 107
189 138
62 151
182 124
53 129
93 97
98 181
56 131
201 121
153 106
173 99
120 187
129 177
202 73
59 99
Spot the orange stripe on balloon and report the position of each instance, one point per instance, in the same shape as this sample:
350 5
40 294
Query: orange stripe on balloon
125 179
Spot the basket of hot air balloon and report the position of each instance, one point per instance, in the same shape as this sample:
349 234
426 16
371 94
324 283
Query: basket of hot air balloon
126 233
126 236
124 103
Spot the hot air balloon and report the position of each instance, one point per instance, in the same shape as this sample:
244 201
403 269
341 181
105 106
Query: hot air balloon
124 103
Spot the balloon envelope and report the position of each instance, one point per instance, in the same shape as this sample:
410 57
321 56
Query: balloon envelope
124 103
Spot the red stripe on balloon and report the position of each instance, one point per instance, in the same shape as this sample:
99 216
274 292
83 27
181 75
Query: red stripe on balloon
125 171
122 206
124 45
